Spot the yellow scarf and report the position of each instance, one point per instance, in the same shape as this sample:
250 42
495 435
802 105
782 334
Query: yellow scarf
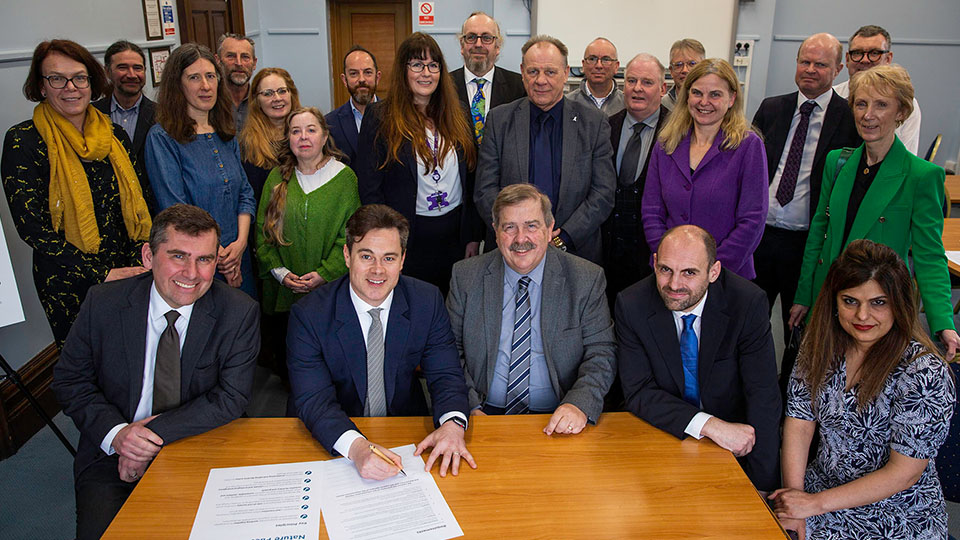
71 203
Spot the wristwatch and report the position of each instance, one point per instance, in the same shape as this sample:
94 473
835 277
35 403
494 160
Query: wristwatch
458 421
559 243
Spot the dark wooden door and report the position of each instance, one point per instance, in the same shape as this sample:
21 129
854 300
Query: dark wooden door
203 21
379 26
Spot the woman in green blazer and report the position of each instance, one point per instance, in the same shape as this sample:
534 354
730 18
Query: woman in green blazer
883 193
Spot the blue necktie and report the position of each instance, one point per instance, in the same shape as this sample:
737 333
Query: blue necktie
518 379
689 353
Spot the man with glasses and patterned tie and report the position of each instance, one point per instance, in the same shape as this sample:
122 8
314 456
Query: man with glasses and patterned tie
481 85
531 322
600 65
696 355
684 54
152 359
871 46
354 346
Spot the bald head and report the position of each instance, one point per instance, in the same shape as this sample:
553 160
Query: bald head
685 265
819 61
824 39
600 64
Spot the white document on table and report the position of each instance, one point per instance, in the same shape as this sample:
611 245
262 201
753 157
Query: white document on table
402 507
260 502
954 256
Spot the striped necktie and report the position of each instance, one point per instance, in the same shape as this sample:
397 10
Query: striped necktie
518 380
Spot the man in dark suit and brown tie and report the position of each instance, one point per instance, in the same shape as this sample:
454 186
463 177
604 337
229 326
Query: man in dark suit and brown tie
798 130
360 76
696 356
152 359
480 84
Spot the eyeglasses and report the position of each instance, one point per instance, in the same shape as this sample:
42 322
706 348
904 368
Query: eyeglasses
592 60
874 56
59 81
268 93
485 38
417 67
679 65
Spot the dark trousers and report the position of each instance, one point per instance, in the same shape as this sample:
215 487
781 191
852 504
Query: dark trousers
100 494
777 261
433 247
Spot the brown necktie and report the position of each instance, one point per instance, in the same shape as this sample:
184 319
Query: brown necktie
166 375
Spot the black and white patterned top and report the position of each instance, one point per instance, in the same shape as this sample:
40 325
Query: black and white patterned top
910 415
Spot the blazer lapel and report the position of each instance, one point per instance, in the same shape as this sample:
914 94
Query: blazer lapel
521 144
616 125
395 342
201 326
350 336
681 157
778 135
840 199
348 126
492 315
831 122
133 328
554 287
140 131
642 172
664 330
712 328
498 90
713 152
568 167
884 187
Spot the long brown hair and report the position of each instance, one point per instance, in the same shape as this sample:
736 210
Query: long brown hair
734 123
825 341
403 122
260 142
276 208
172 104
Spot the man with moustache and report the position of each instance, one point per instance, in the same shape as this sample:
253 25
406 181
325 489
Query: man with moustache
531 322
237 59
696 356
684 54
481 85
799 129
126 105
561 146
633 134
360 76
598 88
871 46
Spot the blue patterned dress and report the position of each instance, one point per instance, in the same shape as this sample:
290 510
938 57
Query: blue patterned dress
910 415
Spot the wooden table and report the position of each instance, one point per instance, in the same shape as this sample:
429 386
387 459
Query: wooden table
619 479
953 186
951 241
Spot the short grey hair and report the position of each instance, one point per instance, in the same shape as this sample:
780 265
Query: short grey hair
224 37
646 57
543 38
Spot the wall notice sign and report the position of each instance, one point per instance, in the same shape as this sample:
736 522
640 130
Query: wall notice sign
166 14
426 13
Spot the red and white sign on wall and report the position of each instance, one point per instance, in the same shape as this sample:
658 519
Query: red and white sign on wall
426 13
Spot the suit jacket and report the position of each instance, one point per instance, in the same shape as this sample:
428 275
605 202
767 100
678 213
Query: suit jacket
737 368
507 86
902 209
145 119
99 376
575 324
773 120
587 176
326 356
343 129
725 195
396 184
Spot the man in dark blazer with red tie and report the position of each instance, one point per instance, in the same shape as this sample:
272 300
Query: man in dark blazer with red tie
360 76
795 163
354 345
696 357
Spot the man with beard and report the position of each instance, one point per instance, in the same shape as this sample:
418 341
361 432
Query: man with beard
126 105
598 88
531 322
481 85
360 76
696 355
238 61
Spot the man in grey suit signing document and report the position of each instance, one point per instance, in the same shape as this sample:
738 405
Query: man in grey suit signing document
531 322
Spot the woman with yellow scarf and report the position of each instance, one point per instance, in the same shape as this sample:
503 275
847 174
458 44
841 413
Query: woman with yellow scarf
73 191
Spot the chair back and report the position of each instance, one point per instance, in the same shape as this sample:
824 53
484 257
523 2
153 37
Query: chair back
934 146
948 459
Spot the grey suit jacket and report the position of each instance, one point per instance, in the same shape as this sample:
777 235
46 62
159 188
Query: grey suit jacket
100 372
578 337
587 177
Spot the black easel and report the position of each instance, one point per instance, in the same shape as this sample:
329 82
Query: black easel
15 377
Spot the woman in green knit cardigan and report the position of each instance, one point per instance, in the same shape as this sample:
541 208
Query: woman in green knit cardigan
305 204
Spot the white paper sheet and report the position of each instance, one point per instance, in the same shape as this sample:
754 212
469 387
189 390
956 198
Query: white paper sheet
260 502
954 256
401 508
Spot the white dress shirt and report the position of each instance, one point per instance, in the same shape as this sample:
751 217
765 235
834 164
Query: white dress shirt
469 76
450 181
909 130
156 324
696 423
795 216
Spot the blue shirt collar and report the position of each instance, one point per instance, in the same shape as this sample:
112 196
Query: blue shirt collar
114 106
511 276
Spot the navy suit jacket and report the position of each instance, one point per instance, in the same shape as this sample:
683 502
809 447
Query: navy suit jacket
737 368
343 129
327 358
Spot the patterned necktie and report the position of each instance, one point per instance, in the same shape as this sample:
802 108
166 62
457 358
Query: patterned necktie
518 380
476 109
631 157
689 354
166 373
788 179
376 404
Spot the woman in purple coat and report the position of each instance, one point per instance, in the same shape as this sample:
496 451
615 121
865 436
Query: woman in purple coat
709 169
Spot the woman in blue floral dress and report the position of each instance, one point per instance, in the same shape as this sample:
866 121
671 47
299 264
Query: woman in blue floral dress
871 379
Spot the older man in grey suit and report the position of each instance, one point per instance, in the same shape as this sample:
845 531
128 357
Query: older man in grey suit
562 146
531 322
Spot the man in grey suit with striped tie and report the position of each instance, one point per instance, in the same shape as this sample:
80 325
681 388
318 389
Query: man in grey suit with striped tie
531 322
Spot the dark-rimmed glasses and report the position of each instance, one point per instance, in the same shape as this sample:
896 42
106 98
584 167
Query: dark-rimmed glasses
417 67
59 81
874 56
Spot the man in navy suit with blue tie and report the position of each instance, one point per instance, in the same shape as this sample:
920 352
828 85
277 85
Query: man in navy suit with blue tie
360 76
696 356
353 347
